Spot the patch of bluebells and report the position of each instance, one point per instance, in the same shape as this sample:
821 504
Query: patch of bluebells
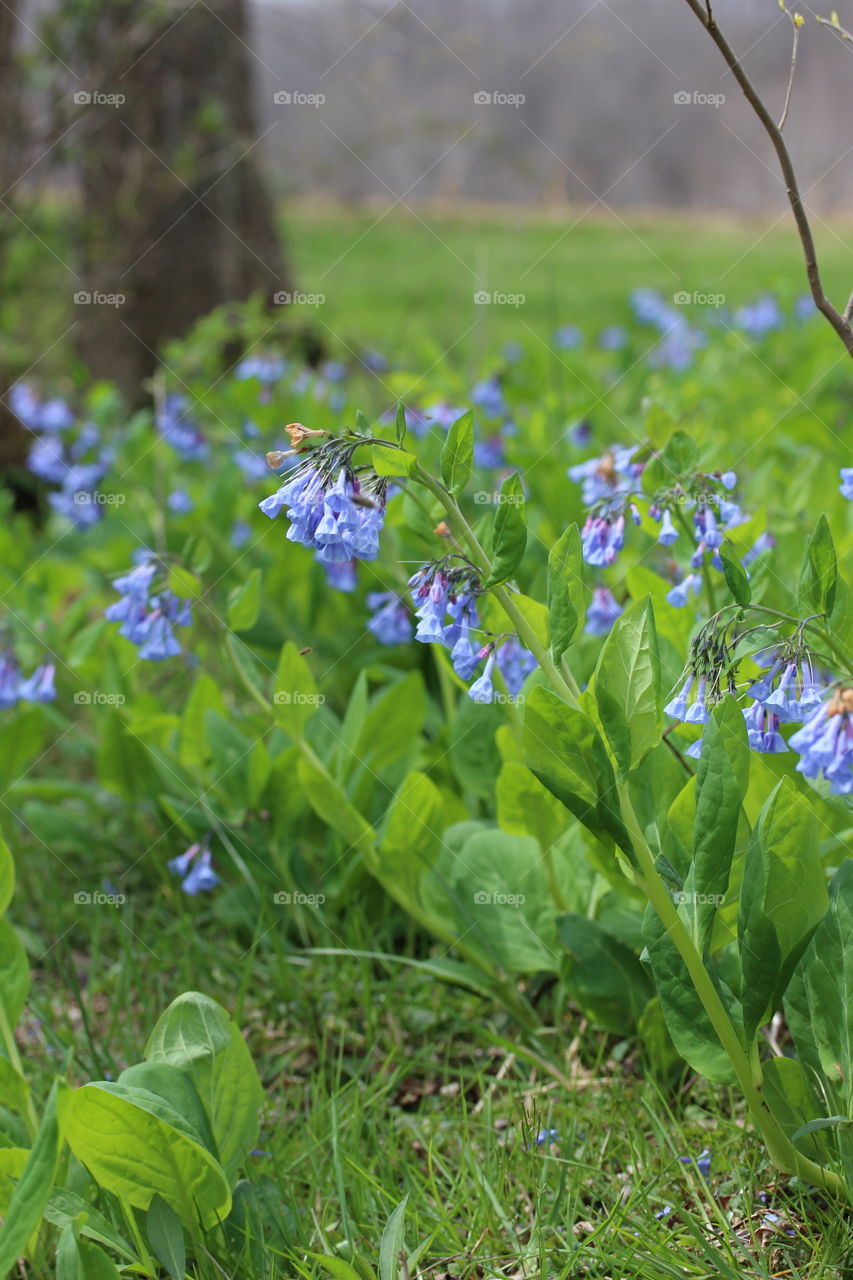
73 460
757 319
148 617
678 342
195 867
488 396
846 487
180 430
180 502
445 598
15 687
608 484
567 337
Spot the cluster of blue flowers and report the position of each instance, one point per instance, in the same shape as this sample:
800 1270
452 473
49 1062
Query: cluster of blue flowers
195 866
63 453
445 598
15 688
340 517
148 620
825 743
608 486
678 341
390 623
846 486
788 693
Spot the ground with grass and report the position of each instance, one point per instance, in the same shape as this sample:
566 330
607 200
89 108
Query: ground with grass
553 1149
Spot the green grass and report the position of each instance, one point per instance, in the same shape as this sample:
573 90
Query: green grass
406 278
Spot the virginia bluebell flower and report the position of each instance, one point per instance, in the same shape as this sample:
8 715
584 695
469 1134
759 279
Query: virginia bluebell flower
825 743
340 516
482 690
515 663
678 595
702 1162
391 623
611 476
148 621
489 454
757 319
847 482
762 730
39 687
602 538
195 866
567 337
180 502
340 574
612 338
180 430
602 613
489 397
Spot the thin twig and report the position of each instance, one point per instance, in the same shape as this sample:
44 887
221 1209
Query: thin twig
796 23
841 324
835 25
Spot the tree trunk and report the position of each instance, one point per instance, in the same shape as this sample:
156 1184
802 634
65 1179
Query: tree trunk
176 219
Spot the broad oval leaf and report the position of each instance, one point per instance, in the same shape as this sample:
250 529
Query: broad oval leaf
627 685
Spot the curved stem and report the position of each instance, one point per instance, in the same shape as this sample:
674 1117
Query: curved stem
781 1150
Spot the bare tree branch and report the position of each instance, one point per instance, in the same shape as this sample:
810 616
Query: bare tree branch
840 323
796 23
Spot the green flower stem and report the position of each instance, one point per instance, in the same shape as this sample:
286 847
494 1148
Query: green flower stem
781 1150
567 688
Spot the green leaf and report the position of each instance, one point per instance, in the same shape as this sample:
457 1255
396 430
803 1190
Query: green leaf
183 583
33 1187
563 749
196 1035
14 1090
737 579
819 573
338 1268
526 807
627 685
244 603
783 900
14 973
509 536
361 424
791 1098
296 698
410 842
64 1207
603 975
193 746
457 453
77 1260
175 1086
826 970
7 876
166 1237
400 422
722 778
391 1244
392 462
566 591
329 801
680 454
137 1146
687 1022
